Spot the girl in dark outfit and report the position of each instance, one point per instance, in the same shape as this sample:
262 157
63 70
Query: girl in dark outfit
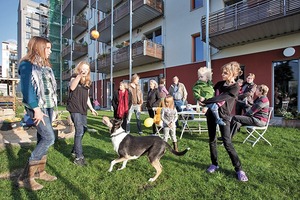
78 104
228 90
121 102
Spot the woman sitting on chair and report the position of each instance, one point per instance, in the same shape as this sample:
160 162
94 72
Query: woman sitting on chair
257 115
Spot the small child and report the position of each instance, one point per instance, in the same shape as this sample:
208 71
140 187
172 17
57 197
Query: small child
169 117
203 89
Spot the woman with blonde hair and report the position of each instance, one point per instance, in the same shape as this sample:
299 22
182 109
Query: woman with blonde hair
228 91
77 104
38 87
153 100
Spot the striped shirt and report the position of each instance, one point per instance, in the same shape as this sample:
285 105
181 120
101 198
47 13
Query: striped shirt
260 109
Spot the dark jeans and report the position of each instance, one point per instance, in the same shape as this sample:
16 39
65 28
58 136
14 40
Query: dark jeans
178 104
45 134
240 120
240 107
225 133
80 123
151 114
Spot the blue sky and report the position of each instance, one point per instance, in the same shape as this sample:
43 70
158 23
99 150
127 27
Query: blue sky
8 21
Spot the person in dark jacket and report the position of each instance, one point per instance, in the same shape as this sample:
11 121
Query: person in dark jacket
257 115
245 98
121 102
153 100
228 90
78 104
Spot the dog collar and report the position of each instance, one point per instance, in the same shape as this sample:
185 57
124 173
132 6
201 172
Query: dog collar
114 135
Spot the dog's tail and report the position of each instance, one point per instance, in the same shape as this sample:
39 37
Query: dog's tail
177 153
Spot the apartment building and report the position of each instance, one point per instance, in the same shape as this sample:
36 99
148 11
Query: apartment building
168 38
9 71
32 21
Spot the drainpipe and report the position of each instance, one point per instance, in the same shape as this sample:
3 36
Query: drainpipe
208 61
111 51
130 43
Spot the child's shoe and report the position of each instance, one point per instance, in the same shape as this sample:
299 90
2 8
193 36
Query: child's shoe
212 168
241 175
220 122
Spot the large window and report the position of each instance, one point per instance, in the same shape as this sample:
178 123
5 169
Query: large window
286 86
197 48
196 4
155 36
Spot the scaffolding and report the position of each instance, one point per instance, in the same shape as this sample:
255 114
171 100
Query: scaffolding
55 25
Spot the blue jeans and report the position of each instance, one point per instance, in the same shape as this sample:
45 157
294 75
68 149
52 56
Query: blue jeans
45 134
80 123
137 110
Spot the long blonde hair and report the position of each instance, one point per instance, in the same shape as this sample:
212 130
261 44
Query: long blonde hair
36 51
233 68
86 81
169 99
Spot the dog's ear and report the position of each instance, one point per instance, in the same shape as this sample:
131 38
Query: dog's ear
117 122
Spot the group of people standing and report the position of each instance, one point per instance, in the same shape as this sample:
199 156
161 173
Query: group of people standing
38 86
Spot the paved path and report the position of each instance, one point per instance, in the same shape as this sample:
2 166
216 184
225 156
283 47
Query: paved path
20 136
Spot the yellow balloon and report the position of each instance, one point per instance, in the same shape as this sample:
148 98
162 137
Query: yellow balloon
95 34
148 122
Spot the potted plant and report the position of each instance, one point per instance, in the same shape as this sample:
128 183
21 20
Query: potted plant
291 119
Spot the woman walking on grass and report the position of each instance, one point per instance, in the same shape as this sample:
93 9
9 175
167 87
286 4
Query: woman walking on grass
77 105
38 87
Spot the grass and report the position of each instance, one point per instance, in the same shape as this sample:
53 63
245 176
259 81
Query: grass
273 171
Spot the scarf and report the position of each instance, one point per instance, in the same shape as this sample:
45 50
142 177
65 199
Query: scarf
38 84
123 104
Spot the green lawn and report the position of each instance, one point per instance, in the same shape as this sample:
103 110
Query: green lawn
273 171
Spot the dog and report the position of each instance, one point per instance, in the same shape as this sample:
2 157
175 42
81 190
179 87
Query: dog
132 147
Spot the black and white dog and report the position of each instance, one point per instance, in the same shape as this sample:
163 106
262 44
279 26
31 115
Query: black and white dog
132 147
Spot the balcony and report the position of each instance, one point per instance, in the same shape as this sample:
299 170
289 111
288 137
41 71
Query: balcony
104 5
80 25
66 75
144 12
78 6
143 52
246 22
79 50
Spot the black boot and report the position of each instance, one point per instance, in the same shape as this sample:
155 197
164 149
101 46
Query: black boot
175 146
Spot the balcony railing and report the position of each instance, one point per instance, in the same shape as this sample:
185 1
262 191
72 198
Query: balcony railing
80 25
79 50
66 75
245 22
104 5
144 11
78 5
143 52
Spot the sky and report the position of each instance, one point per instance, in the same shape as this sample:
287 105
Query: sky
8 21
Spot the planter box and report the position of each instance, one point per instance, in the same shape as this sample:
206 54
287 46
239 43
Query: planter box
294 123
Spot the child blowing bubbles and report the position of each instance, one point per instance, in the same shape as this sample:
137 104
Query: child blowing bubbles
169 118
203 89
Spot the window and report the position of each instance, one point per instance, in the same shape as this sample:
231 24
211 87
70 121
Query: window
286 86
28 35
155 36
197 48
196 4
28 22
